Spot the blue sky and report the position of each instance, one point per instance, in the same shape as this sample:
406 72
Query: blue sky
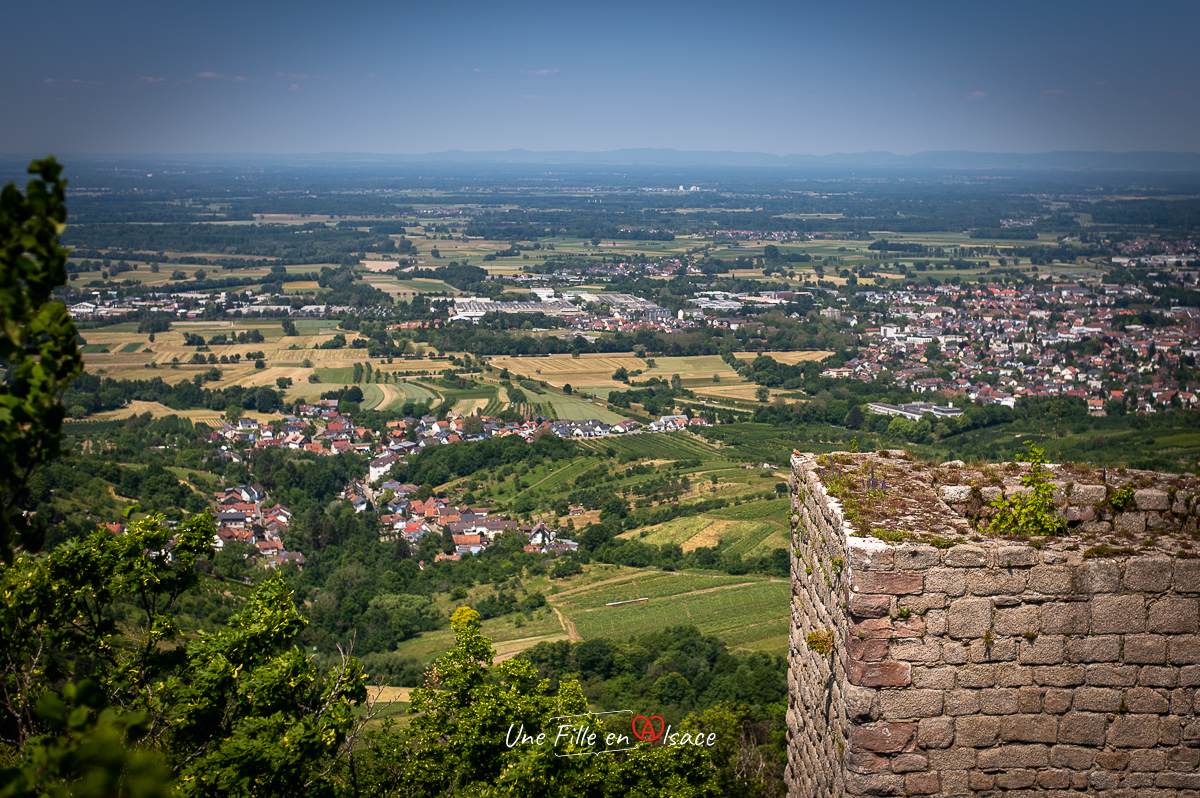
799 77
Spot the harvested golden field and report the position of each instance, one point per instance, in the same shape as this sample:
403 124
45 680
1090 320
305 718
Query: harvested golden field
790 358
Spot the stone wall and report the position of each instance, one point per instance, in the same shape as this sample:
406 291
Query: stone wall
978 665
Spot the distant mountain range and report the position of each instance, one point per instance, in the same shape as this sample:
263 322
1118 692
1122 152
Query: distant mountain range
950 159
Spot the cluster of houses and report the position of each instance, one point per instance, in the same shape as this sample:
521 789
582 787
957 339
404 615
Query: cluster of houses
403 515
242 518
998 343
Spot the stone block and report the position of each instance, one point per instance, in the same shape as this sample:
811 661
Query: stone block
873 629
1133 731
1131 521
894 584
1183 759
969 617
1183 650
922 783
1187 576
1057 700
1017 779
1001 650
953 759
1029 729
1070 514
1151 499
1145 700
1014 756
951 581
1018 676
1174 616
865 763
1088 494
1148 574
1082 728
1097 699
1060 618
910 703
991 493
995 583
1149 760
1145 649
909 763
965 557
1054 779
1030 700
868 650
955 494
1072 757
977 731
1189 675
874 784
1112 675
1094 649
1053 580
935 733
1118 614
1182 781
923 601
934 678
870 554
955 653
954 782
878 674
979 781
1060 675
935 622
1045 650
962 702
884 738
864 605
999 701
979 676
1018 621
1100 576
1017 556
917 651
917 557
860 703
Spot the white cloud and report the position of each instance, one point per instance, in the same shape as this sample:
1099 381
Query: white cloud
148 79
294 87
1053 91
210 75
241 79
977 95
539 72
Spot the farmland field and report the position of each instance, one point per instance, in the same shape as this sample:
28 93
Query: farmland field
750 614
790 358
664 446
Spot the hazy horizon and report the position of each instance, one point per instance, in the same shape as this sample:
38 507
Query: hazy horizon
767 78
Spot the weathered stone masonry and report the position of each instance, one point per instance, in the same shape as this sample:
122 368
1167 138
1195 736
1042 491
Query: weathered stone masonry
983 666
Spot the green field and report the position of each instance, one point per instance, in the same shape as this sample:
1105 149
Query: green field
660 446
749 614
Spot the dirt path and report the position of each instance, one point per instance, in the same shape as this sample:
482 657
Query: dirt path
621 578
508 649
568 625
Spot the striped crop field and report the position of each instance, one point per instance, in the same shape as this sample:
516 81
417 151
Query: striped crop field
750 615
659 446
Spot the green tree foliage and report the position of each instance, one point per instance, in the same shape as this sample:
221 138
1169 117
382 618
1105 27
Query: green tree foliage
457 743
37 342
